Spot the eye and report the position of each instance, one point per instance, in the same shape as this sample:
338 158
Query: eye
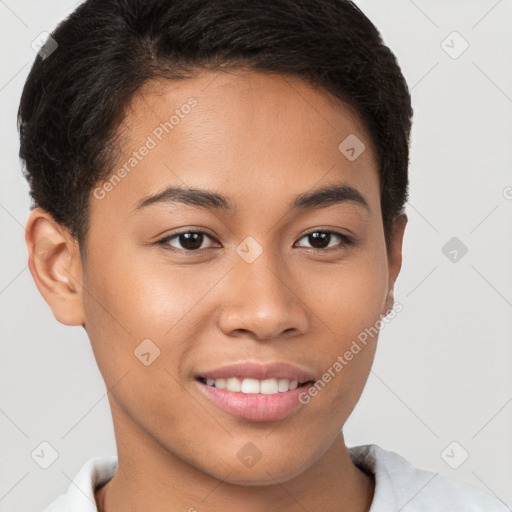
321 239
188 240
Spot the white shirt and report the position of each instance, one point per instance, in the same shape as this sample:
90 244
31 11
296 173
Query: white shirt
399 486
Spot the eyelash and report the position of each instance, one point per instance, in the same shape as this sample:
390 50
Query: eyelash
347 240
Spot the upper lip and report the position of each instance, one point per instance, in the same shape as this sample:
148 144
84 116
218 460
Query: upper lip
259 371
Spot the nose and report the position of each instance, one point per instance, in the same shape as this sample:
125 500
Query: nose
261 300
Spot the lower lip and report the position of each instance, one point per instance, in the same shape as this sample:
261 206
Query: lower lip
255 406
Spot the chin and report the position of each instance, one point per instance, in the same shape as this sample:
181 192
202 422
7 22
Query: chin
263 473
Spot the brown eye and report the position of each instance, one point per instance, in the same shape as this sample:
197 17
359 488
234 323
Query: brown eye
321 239
187 240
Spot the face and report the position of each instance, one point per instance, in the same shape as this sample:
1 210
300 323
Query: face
246 270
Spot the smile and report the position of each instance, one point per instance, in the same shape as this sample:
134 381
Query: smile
247 401
254 386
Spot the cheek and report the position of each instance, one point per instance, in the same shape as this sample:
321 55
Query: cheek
348 297
131 313
347 303
142 296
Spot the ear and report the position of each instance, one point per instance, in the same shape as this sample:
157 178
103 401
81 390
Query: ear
56 266
395 258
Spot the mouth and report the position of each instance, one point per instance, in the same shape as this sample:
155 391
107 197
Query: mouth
253 400
251 386
256 391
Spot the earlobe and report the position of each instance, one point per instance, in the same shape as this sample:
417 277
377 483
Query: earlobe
55 264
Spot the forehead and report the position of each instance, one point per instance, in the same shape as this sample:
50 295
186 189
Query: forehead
253 101
242 132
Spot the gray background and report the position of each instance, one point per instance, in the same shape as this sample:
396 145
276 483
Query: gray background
442 369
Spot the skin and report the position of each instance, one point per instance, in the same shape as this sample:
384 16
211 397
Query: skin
261 139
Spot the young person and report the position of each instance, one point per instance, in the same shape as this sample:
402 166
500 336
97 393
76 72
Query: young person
219 191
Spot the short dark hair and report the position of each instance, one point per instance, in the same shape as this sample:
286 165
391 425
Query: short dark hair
75 99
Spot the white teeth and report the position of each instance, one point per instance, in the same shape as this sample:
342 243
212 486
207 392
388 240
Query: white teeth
283 384
233 384
219 383
270 387
250 386
254 386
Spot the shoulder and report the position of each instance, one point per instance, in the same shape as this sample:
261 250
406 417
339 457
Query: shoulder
80 495
401 486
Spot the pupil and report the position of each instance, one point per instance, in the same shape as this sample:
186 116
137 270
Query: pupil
191 240
320 240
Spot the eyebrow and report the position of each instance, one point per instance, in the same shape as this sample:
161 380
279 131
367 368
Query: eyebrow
319 198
